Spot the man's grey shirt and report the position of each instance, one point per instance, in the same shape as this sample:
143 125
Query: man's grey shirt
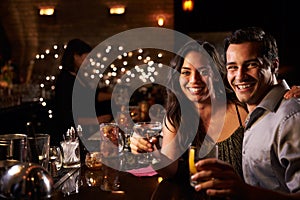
271 146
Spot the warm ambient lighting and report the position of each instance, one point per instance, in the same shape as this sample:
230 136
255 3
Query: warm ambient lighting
46 10
159 179
188 5
160 20
117 10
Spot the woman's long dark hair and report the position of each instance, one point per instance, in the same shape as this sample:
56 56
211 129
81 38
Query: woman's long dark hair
74 46
177 102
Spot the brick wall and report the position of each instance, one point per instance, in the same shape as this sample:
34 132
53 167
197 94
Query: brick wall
30 34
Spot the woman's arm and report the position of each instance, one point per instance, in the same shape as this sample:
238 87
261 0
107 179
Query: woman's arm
167 167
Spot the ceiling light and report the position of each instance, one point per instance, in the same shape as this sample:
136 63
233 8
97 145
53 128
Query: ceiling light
117 10
46 10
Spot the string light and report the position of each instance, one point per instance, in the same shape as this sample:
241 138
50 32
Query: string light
139 64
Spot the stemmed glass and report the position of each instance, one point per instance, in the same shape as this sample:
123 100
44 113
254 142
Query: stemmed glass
148 130
125 124
55 155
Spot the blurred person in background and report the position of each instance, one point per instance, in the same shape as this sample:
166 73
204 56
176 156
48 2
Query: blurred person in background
74 55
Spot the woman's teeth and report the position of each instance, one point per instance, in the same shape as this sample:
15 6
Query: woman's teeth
195 90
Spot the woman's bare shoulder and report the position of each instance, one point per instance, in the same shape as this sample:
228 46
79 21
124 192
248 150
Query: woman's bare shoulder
233 108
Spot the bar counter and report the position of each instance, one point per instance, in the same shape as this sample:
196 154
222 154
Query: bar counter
130 187
90 185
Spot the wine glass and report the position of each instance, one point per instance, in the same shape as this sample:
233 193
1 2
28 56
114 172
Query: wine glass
111 140
148 130
55 156
125 124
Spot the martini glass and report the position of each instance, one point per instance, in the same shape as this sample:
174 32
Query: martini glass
148 130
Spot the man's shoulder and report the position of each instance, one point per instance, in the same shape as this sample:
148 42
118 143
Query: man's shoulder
290 105
292 101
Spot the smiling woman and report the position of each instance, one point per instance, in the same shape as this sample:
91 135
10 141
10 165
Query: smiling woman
193 80
194 87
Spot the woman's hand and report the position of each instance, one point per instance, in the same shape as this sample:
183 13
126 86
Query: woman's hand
141 145
293 92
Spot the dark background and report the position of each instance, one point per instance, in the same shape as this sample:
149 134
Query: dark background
279 17
23 36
